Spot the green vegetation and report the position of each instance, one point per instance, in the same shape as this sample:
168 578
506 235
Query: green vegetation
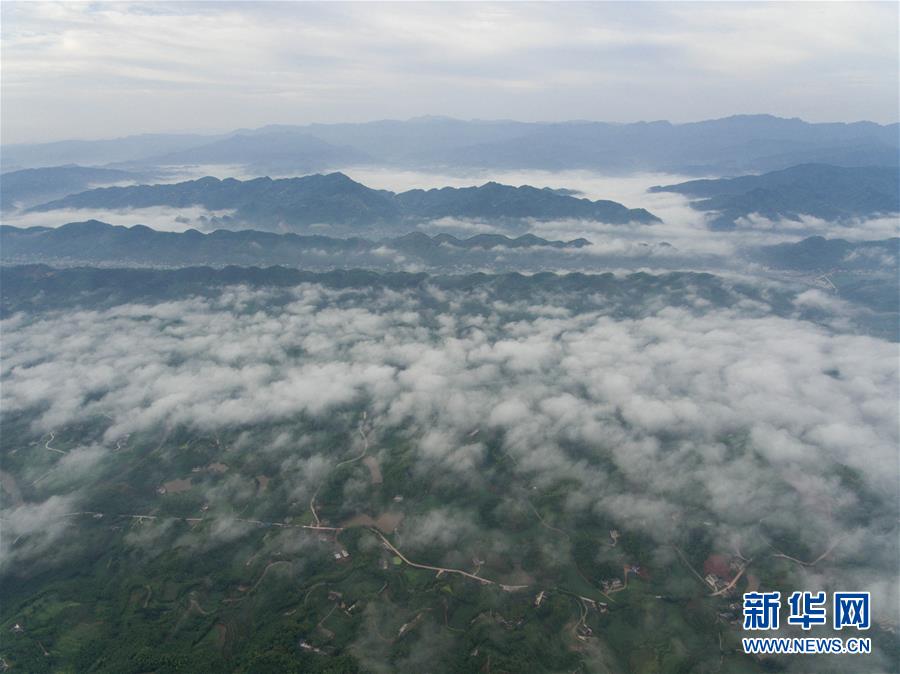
218 592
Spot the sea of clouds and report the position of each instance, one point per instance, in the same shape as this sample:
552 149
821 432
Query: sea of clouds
574 393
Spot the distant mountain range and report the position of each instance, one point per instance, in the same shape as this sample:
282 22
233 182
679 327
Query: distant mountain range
743 143
833 193
94 242
290 203
33 186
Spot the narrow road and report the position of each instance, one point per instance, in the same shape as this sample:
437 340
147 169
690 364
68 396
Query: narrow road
312 505
440 569
53 449
543 522
365 448
195 520
818 559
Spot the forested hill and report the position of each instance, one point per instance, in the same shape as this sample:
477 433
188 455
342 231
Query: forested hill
336 199
834 193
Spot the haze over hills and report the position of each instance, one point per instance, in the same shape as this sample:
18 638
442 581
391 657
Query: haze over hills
336 199
272 151
29 187
734 144
94 242
832 193
97 152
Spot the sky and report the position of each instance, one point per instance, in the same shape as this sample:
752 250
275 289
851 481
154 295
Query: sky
100 70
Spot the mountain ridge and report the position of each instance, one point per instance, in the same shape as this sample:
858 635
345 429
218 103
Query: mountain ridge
335 198
93 241
833 193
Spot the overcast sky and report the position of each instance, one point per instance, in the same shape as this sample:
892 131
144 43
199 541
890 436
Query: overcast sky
93 70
